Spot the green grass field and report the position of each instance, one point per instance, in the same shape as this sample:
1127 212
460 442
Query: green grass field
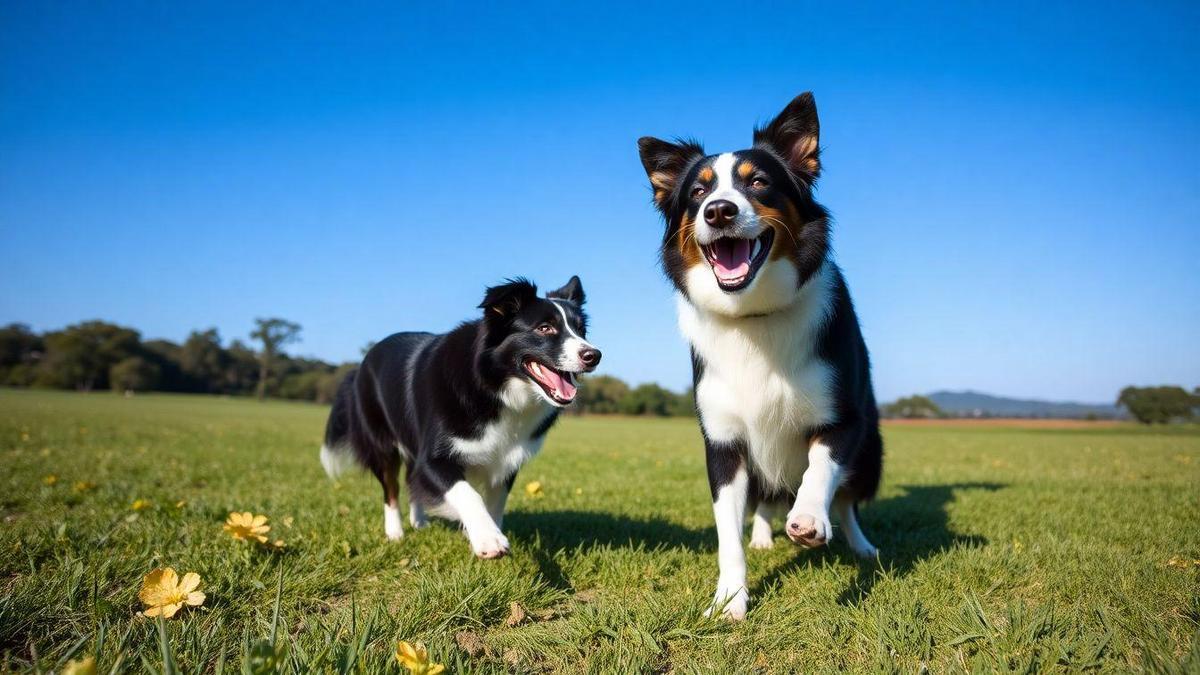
1002 549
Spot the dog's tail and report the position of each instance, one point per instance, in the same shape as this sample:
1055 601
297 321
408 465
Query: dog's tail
337 453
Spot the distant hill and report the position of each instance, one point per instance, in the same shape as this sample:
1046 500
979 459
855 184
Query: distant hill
975 404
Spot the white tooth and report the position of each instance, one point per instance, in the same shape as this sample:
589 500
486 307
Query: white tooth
537 369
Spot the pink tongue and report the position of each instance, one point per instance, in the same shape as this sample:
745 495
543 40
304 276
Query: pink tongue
732 258
555 381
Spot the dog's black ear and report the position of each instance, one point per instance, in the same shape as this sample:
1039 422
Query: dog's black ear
795 136
505 300
665 162
572 292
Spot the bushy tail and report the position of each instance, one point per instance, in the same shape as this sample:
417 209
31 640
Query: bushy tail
336 453
336 460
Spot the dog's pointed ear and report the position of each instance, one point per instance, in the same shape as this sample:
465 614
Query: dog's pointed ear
795 135
505 300
572 291
665 163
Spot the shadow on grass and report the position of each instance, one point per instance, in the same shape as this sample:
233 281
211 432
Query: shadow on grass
906 529
571 530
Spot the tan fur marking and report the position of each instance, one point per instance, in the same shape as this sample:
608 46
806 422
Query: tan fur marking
686 241
804 154
745 169
706 174
662 180
786 226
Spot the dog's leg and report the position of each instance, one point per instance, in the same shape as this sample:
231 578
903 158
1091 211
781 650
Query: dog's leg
496 498
416 512
392 525
847 515
730 487
442 486
760 529
482 531
808 521
416 515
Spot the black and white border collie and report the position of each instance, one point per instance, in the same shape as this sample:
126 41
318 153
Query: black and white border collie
463 410
782 380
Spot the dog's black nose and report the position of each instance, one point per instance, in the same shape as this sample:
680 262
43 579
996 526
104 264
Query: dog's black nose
720 212
590 356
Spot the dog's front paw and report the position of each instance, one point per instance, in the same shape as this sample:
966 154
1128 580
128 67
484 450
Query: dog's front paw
760 536
489 545
807 529
729 603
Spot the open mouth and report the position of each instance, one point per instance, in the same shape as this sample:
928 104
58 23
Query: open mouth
735 261
559 386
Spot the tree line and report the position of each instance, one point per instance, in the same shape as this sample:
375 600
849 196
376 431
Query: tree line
97 355
1161 405
1149 405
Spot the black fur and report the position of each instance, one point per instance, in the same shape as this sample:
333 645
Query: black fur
422 391
786 156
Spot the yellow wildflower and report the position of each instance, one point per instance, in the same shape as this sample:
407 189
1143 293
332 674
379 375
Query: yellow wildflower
139 504
181 503
84 666
1182 563
534 488
288 520
246 526
164 593
50 479
416 659
83 485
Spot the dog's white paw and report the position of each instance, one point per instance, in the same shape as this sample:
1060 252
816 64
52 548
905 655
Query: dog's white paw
809 527
729 603
761 540
489 545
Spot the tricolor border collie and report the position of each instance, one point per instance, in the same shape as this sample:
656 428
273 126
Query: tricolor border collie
462 411
781 375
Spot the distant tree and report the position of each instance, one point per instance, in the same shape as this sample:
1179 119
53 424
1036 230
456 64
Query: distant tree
601 394
328 385
203 360
134 374
682 405
274 333
300 386
20 349
81 355
913 407
165 355
1159 405
241 375
648 399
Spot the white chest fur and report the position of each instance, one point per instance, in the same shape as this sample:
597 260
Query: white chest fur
506 443
763 382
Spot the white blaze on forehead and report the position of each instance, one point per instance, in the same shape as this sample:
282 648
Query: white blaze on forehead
566 320
569 361
723 188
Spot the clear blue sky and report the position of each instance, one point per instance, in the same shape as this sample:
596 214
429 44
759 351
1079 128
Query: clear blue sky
1016 185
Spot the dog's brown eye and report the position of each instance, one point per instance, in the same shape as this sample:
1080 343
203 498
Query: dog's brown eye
698 192
759 183
546 329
